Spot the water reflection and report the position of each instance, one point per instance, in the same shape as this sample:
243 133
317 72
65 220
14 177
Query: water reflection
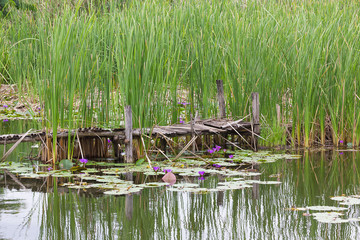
253 213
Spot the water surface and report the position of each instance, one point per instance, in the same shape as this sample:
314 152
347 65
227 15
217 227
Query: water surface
46 210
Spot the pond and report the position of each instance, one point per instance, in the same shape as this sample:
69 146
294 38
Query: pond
46 209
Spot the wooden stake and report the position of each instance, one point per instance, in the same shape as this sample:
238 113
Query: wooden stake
278 113
255 118
128 135
192 124
221 98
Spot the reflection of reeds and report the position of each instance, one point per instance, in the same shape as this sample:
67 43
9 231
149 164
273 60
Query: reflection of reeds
89 64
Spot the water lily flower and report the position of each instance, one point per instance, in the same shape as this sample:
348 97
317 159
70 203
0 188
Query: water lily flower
224 150
201 173
217 165
210 151
217 147
167 170
83 160
181 121
341 141
50 168
184 103
109 141
231 156
5 106
341 153
156 169
201 178
5 120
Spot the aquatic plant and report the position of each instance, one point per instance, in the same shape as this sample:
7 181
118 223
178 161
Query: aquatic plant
83 161
84 74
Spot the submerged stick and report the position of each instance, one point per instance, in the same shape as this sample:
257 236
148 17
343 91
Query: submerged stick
14 146
14 178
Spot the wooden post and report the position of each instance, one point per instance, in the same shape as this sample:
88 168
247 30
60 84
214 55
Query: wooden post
221 98
128 135
278 114
163 144
255 118
192 124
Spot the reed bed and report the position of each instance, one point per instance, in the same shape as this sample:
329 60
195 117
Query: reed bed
86 60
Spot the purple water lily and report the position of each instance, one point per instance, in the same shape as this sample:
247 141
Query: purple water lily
109 141
231 156
341 141
83 161
184 103
5 120
217 147
156 169
5 106
201 173
210 151
167 170
341 153
216 165
50 168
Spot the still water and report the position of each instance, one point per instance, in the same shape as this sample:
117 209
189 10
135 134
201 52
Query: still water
46 210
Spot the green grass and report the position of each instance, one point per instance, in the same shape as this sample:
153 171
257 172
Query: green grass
86 62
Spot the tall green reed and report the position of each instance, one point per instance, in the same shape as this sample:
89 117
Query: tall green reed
87 65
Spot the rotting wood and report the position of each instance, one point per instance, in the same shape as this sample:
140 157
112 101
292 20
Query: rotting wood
93 140
204 127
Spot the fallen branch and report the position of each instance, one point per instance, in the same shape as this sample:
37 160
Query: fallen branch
14 146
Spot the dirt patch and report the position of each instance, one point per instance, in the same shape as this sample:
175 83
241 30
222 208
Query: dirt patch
10 99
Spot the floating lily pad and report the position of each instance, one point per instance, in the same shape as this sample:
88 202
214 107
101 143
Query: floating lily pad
65 164
326 208
329 217
153 173
186 185
232 185
350 200
190 189
262 182
122 191
153 184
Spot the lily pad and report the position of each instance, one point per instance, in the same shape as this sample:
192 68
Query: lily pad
350 200
122 191
326 208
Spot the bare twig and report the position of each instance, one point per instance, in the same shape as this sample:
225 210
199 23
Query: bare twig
14 146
